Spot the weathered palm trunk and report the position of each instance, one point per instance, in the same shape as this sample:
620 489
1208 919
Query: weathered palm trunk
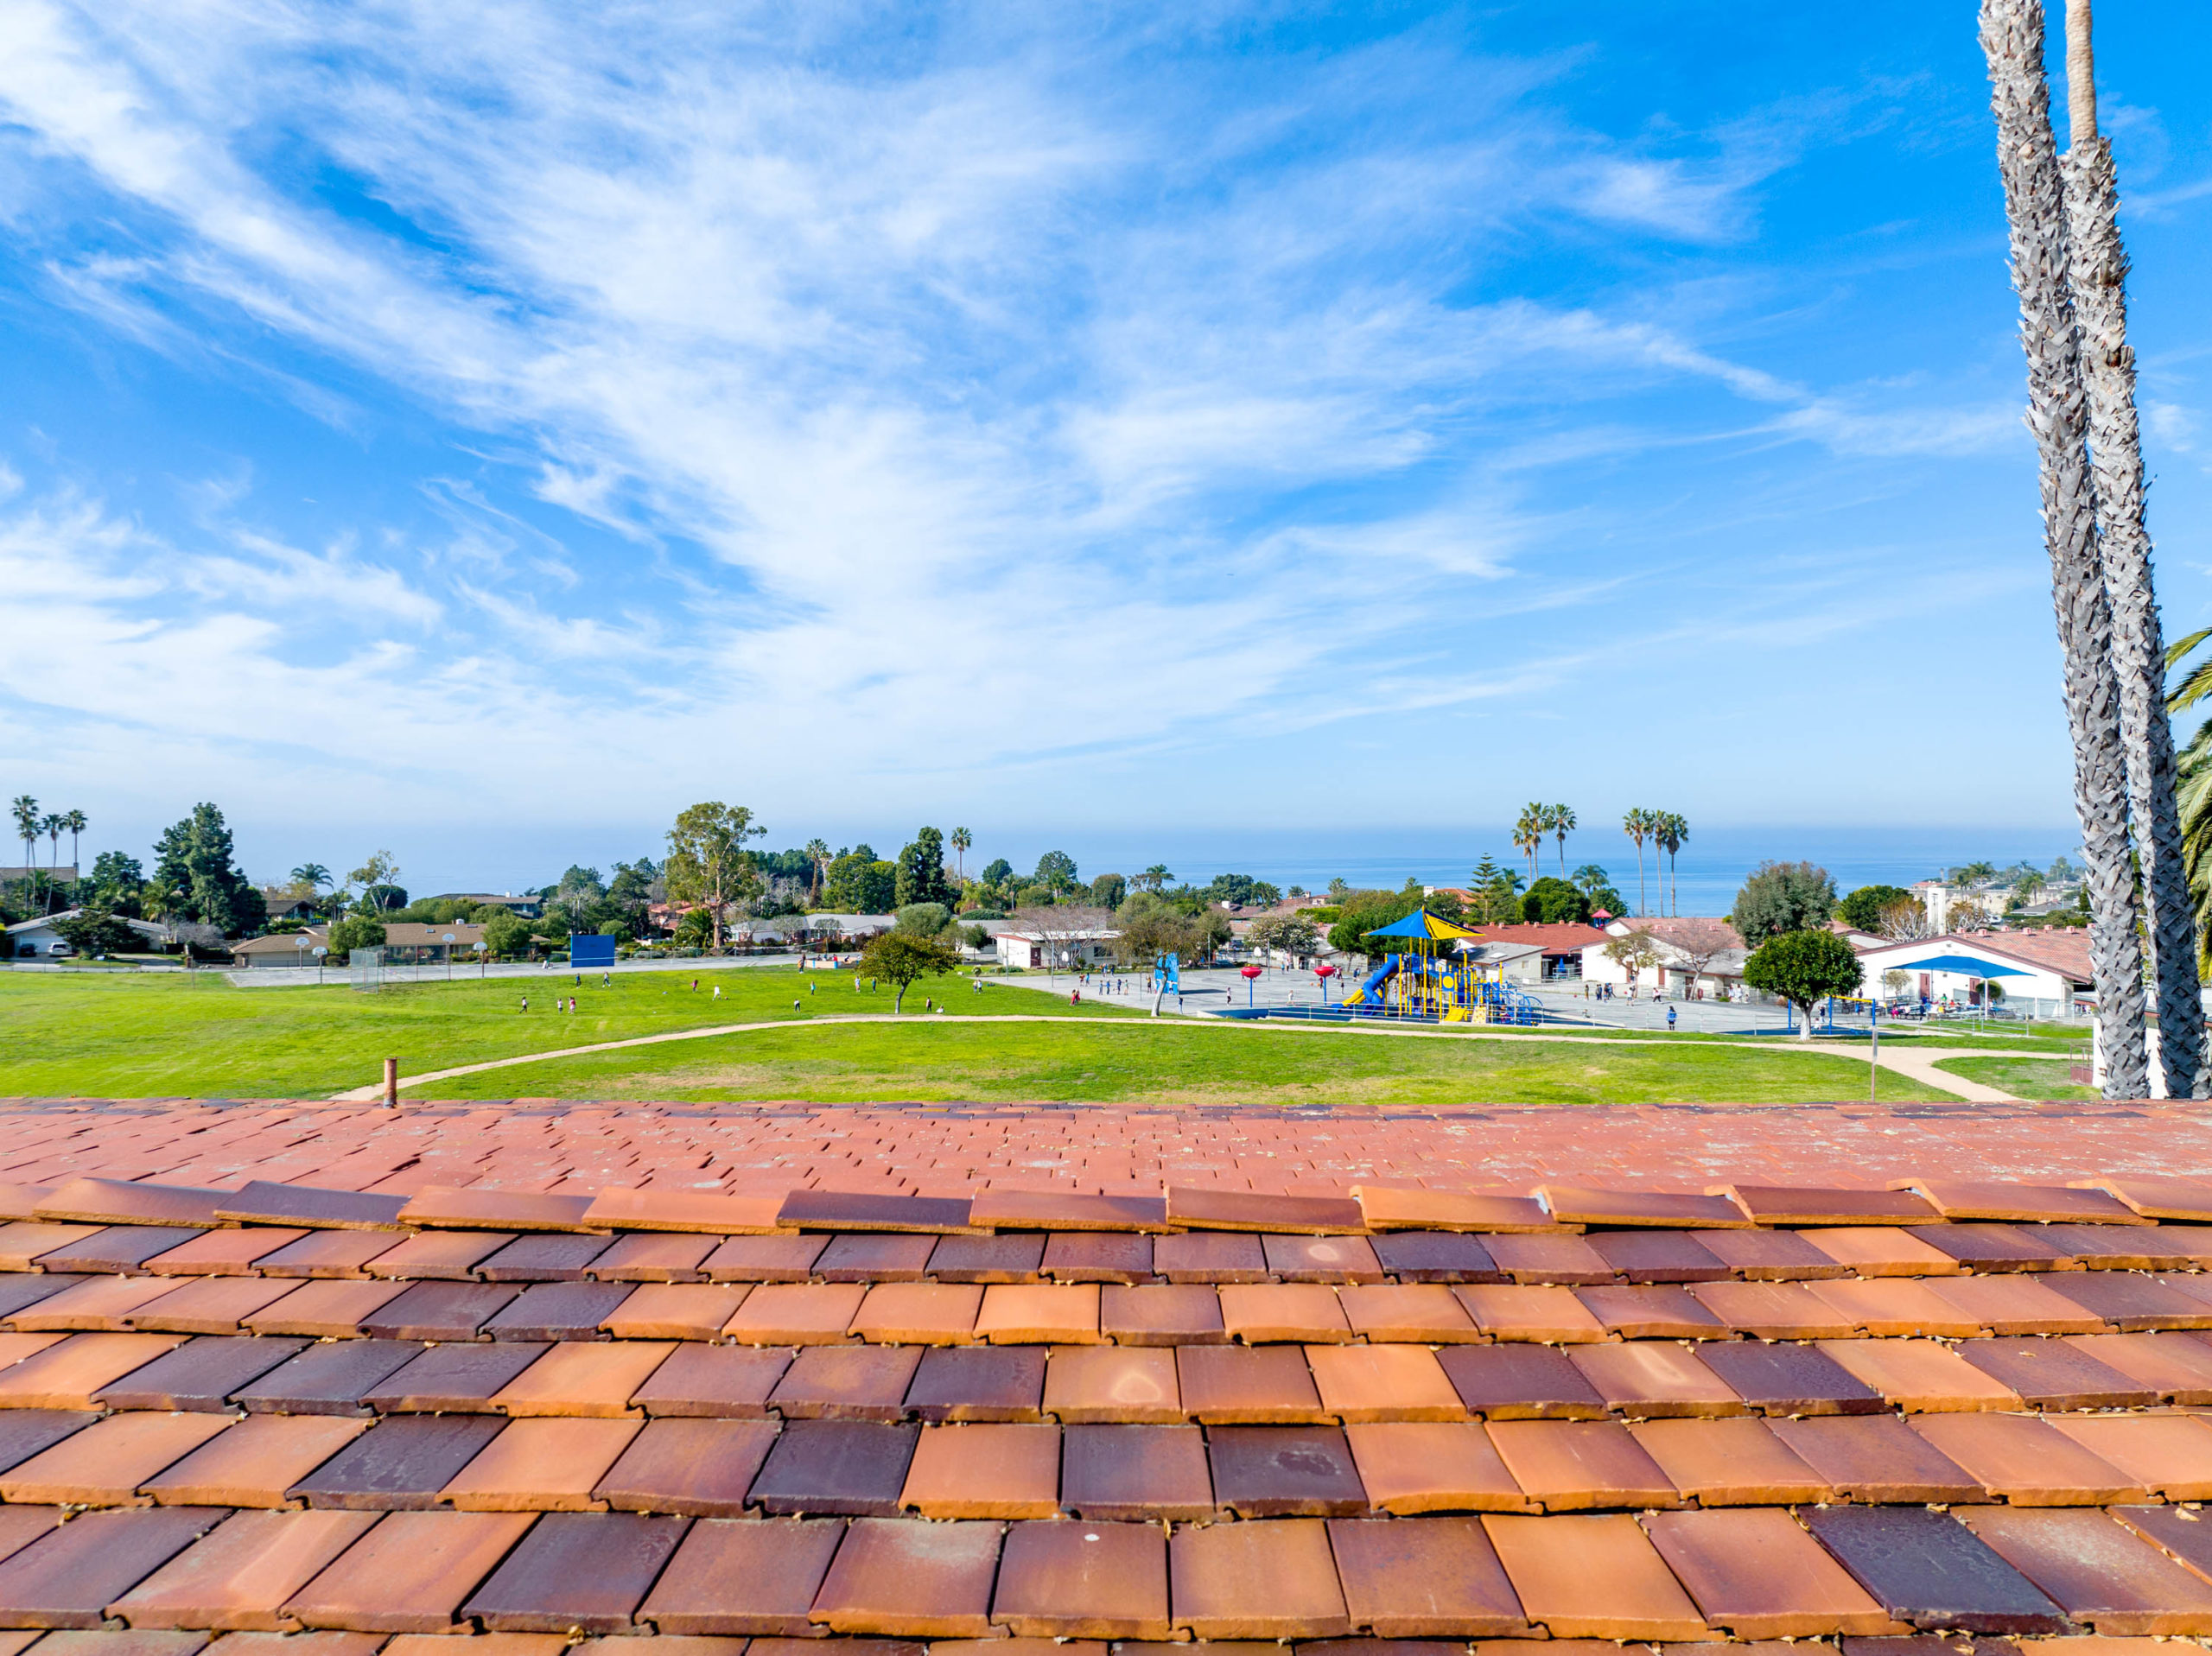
2027 156
2097 266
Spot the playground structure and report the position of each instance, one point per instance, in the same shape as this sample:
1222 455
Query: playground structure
1432 981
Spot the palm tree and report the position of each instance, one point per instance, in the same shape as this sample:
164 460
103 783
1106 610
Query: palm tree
313 875
1668 834
2097 265
1637 824
54 823
818 853
1562 825
1155 877
960 842
25 810
74 823
1529 830
2027 155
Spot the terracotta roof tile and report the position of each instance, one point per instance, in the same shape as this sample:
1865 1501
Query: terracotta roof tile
919 1313
1136 1472
577 1571
1586 1205
1439 1578
985 1471
1655 1377
67 1374
2020 1459
1996 1247
1557 1258
1653 1312
1574 1465
220 1253
744 1575
1928 1570
796 1314
1436 1256
265 1202
199 1375
902 1577
765 1258
1775 1310
461 1377
1730 1462
846 1383
1428 1466
1423 1312
710 1380
1240 1383
1546 1315
2179 1368
1006 1209
117 1201
1084 1579
1657 1256
323 1308
1210 1256
1770 1255
1958 1199
851 1468
873 1257
2169 1454
542 1465
2051 1375
2120 1247
255 1463
238 1577
698 1468
1281 1471
1386 1208
26 1432
2174 1531
665 1256
105 1464
69 1575
409 1574
2015 1304
211 1305
446 1207
399 1465
26 1289
448 1256
1257 1581
1005 1383
95 1302
1198 1208
1265 1312
1878 1458
1521 1382
2100 1572
864 1210
439 1311
1383 1382
1772 1204
1036 1313
1013 1258
1756 1573
23 1243
1090 1256
1130 1384
1592 1577
582 1378
1789 1380
620 1207
1321 1258
1920 1374
2129 1302
674 1310
2160 1198
1162 1314
1883 1251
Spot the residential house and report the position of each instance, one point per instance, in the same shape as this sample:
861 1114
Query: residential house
2045 971
37 939
1072 951
1698 954
406 943
1533 951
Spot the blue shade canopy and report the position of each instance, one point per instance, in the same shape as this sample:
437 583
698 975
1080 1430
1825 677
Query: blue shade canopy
1421 923
1963 963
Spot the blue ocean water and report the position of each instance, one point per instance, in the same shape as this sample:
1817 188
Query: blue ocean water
1706 876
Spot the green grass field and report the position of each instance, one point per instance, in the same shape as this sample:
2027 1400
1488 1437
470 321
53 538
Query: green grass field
2023 1077
169 1036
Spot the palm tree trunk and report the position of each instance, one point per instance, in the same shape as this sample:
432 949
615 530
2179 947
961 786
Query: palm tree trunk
2098 270
2012 39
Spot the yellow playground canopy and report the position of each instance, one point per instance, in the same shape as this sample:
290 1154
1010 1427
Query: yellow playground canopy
1421 923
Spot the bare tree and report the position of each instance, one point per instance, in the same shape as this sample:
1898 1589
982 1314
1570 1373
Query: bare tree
2097 265
1904 921
1695 943
1060 927
1633 953
2013 41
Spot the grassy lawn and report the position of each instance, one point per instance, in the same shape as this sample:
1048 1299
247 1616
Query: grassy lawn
135 1037
2044 1079
1174 1063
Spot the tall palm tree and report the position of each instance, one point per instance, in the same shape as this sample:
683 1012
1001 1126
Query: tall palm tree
2027 155
52 824
74 821
1562 825
1529 836
818 853
1637 824
2097 265
960 841
25 811
313 875
1673 828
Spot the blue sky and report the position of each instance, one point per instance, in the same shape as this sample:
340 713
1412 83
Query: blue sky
483 429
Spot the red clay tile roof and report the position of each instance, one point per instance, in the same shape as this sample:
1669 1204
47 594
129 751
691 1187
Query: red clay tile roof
1310 1406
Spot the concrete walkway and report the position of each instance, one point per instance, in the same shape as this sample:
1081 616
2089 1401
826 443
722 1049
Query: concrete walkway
1918 1065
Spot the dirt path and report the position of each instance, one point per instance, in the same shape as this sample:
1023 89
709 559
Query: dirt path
1917 1065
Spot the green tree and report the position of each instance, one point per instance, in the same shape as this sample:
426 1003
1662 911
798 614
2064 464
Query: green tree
997 871
1529 830
1640 824
506 934
193 861
708 864
962 842
96 931
358 932
1862 910
1366 911
1108 890
1497 900
1783 896
1635 954
117 882
24 810
1056 872
922 919
1804 968
920 877
1154 878
1291 933
1560 819
1552 902
902 959
817 855
1668 830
